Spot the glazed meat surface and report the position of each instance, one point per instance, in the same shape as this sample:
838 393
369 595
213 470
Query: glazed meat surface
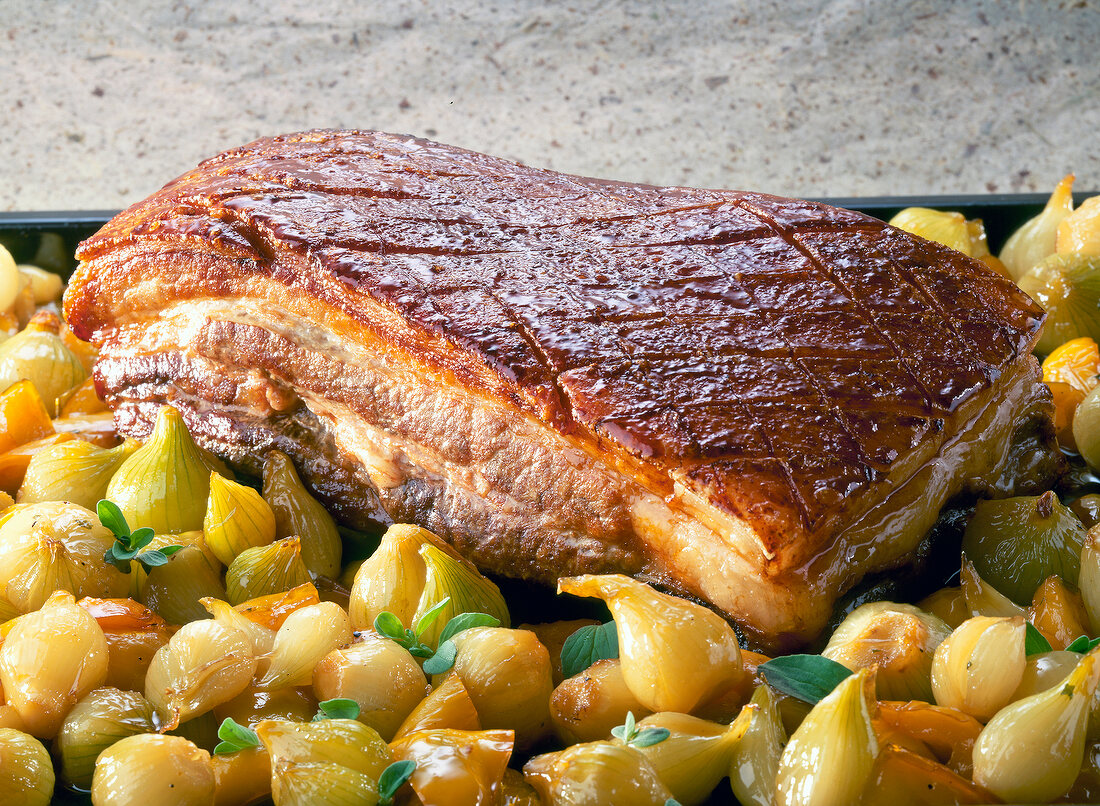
751 400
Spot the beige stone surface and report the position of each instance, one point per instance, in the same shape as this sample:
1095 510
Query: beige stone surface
104 101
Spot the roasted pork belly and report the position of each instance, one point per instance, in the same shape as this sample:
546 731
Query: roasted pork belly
750 400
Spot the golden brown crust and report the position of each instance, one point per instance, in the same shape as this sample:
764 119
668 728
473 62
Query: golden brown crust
785 362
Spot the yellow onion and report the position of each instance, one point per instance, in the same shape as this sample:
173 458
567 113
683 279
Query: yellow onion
675 654
334 761
1016 543
982 598
980 665
595 774
38 354
1058 613
1086 428
299 513
305 638
947 228
49 660
755 761
9 279
1089 578
99 720
1043 669
900 773
1032 749
134 633
1037 238
507 673
585 707
447 706
272 610
9 718
26 772
176 589
1079 232
260 638
1087 508
696 755
45 285
456 767
242 777
380 675
266 570
830 757
153 770
448 575
165 483
74 471
55 546
203 665
392 578
237 518
1068 289
898 638
948 605
254 705
514 791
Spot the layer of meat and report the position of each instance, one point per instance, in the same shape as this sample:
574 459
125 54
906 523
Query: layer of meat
750 399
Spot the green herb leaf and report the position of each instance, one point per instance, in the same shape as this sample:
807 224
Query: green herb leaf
168 551
339 708
428 619
647 737
627 730
672 802
443 658
464 621
122 563
1034 642
389 625
392 779
111 517
235 736
806 677
141 538
1082 644
588 645
151 559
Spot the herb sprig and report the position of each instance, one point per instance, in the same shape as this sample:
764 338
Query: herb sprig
633 736
128 545
234 736
441 658
338 708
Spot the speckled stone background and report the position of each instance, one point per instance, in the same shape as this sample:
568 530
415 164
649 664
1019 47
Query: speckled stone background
105 101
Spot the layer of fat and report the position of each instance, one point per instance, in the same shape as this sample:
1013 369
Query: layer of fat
717 558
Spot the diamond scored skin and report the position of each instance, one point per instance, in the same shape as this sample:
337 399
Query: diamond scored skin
751 400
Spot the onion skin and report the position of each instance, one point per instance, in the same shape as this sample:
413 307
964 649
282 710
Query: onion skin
153 770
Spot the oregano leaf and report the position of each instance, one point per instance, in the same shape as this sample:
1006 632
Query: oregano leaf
338 708
465 621
235 736
428 619
647 737
443 659
806 677
111 516
392 779
389 625
587 645
1034 641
